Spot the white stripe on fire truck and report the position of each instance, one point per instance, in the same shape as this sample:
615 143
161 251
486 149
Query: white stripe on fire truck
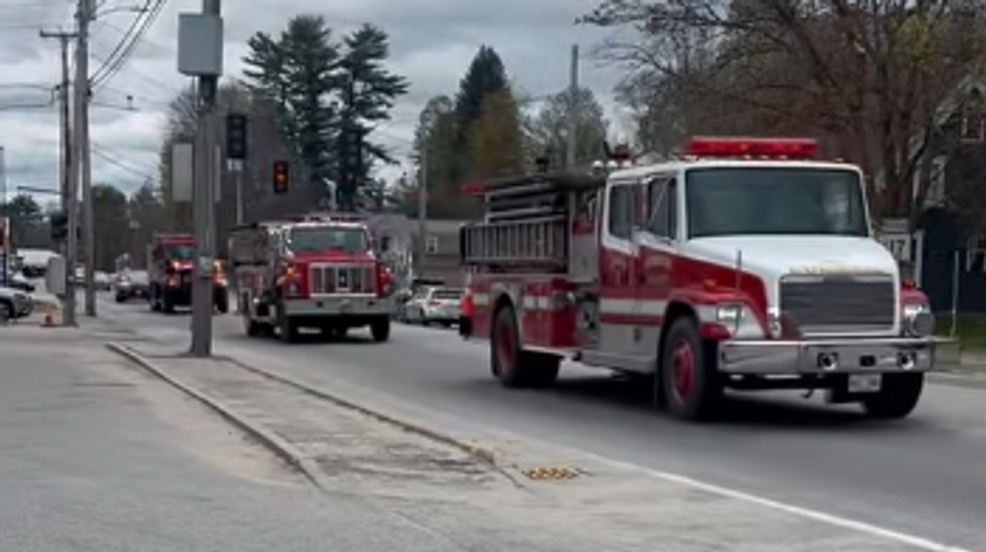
607 306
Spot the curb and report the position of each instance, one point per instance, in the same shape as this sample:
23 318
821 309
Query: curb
474 451
281 448
958 379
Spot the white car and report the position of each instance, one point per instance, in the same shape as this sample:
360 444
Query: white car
434 305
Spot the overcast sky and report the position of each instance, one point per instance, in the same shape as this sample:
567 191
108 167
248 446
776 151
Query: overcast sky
432 42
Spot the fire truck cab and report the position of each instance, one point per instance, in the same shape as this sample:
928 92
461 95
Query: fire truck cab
315 271
744 264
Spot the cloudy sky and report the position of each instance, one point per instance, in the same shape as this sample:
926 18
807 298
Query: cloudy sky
432 42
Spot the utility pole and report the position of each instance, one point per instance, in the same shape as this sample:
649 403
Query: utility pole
200 54
65 159
87 11
422 213
571 135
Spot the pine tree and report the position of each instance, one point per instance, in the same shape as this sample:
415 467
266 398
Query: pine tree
370 91
298 71
486 76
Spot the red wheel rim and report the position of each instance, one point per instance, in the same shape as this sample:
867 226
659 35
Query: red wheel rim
504 348
683 371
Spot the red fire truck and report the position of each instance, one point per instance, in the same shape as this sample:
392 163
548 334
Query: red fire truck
315 271
170 260
743 264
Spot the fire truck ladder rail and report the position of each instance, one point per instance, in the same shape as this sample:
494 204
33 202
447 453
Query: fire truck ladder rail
541 241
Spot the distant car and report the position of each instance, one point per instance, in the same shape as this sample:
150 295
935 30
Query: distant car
129 284
434 305
14 304
101 280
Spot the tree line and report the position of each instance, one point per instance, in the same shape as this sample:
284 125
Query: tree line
487 129
122 224
885 84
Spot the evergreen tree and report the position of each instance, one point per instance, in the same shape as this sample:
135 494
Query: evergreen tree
369 94
299 71
486 75
436 150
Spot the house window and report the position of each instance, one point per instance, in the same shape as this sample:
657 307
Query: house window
431 245
974 118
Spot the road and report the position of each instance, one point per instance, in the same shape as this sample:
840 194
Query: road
922 476
95 455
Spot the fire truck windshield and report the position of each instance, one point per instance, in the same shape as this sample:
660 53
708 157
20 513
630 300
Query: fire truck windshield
313 239
774 200
179 252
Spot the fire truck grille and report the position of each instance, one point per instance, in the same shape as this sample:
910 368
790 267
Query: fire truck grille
340 279
840 304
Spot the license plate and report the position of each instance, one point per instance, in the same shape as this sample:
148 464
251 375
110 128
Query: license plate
865 383
346 308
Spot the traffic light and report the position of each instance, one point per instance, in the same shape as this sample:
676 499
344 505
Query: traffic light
236 136
281 177
59 225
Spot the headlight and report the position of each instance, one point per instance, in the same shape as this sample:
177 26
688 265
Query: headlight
918 320
729 313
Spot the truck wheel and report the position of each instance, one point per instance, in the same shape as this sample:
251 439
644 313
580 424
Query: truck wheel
688 380
897 398
380 330
222 304
287 328
167 304
513 366
120 298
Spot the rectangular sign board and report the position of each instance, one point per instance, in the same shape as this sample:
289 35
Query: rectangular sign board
182 171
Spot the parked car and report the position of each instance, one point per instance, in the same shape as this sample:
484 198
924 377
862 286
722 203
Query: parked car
19 282
102 280
434 305
128 284
14 304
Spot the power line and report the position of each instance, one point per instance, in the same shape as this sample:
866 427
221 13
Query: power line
129 48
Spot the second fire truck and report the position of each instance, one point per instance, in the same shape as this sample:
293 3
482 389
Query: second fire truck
317 271
745 264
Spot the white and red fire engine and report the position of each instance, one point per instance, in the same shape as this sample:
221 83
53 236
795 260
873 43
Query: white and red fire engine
317 271
744 264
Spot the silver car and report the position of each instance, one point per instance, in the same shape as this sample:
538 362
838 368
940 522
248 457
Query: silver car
14 304
434 305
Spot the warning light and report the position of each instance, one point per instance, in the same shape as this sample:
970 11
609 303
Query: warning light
771 148
281 177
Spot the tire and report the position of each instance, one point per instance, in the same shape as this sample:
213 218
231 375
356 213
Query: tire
514 367
167 305
120 299
898 397
688 380
380 330
287 328
6 311
222 304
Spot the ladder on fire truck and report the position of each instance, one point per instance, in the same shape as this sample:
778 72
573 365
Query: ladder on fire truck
527 225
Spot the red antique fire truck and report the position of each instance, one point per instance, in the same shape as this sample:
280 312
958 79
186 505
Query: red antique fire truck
315 271
743 264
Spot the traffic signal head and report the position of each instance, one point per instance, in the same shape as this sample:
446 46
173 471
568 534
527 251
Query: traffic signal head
236 136
59 225
281 177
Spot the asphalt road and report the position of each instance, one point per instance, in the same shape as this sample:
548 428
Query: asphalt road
95 455
922 476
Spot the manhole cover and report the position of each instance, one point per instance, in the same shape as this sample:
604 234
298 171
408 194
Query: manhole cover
551 473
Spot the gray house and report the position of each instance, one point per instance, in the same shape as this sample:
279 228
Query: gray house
398 237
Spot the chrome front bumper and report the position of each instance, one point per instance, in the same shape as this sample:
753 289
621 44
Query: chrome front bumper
340 305
861 355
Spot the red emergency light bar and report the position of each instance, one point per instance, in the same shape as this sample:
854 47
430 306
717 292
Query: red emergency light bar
773 148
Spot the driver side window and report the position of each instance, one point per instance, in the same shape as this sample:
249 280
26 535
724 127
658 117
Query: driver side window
661 207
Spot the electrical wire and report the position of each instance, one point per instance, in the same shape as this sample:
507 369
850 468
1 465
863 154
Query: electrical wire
111 58
130 47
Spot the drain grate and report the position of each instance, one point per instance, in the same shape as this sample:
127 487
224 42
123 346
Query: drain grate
552 473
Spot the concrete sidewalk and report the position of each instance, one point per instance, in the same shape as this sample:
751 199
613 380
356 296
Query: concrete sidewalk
501 491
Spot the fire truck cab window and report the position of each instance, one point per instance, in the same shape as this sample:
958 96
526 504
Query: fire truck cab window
621 210
661 205
178 252
774 200
313 239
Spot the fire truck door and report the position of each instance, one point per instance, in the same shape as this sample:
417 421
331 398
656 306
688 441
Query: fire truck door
654 238
617 266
